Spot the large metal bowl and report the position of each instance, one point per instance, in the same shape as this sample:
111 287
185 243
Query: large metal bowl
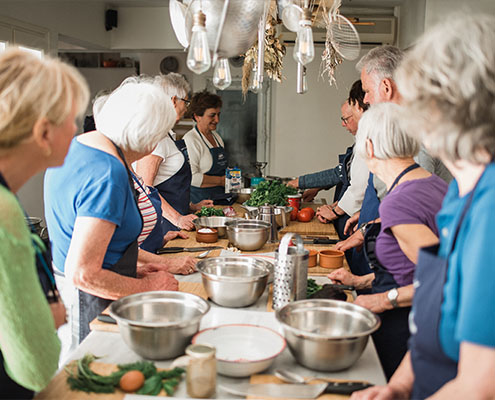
234 281
159 325
248 235
216 222
243 194
326 335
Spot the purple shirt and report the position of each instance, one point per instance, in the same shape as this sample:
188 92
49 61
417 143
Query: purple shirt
411 202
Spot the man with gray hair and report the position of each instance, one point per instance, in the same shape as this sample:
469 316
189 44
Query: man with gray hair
167 168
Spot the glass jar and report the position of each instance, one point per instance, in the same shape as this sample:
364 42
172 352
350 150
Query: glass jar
201 371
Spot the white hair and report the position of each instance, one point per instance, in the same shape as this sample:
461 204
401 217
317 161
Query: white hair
381 61
136 115
174 84
381 124
447 82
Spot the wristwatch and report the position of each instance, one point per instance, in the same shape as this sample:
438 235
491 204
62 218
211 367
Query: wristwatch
362 228
392 296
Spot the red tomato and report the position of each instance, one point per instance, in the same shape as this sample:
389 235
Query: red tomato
304 216
293 214
310 210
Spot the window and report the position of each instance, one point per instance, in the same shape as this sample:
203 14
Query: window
38 53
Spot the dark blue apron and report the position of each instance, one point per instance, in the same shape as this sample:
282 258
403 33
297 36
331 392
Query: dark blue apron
432 367
345 182
154 241
391 339
91 306
369 211
176 190
218 167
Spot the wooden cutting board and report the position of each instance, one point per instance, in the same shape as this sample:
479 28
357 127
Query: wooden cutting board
187 287
274 379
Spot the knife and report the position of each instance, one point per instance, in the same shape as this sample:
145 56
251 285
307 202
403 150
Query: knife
296 390
321 241
167 250
106 318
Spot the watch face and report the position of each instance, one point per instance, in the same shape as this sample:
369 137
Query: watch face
392 294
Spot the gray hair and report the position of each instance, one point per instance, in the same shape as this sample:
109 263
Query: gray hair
448 85
174 84
381 124
98 101
136 115
382 61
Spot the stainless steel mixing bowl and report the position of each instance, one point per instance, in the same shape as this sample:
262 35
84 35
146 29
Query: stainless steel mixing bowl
159 325
326 335
213 222
234 281
243 194
248 235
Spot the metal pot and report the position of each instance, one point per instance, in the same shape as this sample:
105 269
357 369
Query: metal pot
159 325
248 235
326 335
214 221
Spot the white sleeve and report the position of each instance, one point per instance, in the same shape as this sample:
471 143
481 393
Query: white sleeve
162 148
353 197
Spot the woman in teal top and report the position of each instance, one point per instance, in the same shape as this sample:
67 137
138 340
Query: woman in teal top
448 85
39 101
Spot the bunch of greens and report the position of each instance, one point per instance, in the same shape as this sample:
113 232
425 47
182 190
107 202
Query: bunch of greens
271 192
85 380
210 211
312 288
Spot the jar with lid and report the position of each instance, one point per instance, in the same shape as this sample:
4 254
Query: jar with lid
201 371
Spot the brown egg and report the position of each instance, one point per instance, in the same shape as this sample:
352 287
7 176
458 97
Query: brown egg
131 381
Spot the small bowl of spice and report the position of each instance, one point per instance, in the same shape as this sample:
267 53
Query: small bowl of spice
207 235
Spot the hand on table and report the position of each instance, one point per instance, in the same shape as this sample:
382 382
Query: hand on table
310 194
325 214
171 235
156 278
181 265
186 222
356 240
342 276
377 302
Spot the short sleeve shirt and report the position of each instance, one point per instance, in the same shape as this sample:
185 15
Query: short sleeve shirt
412 202
91 183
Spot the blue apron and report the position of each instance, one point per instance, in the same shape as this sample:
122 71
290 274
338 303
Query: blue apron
154 241
432 367
391 339
176 189
345 181
218 167
369 211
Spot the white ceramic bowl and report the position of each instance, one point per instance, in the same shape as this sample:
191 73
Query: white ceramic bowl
242 349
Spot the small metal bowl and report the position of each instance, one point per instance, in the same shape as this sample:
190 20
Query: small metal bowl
159 325
216 222
326 335
247 234
234 281
243 194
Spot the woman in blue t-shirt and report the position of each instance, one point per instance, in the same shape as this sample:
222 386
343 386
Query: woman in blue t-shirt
448 84
91 210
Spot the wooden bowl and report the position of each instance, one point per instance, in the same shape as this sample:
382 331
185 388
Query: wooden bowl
313 255
207 237
331 258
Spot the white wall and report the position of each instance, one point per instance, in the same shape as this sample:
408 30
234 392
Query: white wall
411 21
439 9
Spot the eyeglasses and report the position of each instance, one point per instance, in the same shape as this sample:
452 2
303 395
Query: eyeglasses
345 119
185 100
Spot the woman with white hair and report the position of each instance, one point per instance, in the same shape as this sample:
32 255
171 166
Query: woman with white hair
448 86
168 168
39 101
407 223
91 208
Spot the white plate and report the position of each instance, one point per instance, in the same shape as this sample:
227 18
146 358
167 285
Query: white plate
242 349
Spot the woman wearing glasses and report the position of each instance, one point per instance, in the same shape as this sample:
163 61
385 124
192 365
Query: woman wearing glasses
168 168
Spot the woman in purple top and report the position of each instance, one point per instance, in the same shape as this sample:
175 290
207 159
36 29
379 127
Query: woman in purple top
407 223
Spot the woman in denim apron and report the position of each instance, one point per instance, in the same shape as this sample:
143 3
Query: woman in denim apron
450 99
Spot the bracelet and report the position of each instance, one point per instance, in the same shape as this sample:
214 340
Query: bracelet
335 212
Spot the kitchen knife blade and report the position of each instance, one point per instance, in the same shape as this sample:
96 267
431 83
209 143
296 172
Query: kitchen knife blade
106 318
168 250
321 241
297 390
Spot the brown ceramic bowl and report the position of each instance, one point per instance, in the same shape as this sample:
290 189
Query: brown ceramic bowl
313 255
206 237
331 258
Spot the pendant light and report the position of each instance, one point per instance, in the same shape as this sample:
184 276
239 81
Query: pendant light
198 56
221 75
304 49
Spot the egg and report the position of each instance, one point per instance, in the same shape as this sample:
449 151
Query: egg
131 381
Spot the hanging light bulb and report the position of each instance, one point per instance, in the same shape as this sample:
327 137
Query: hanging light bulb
221 75
254 84
198 57
304 49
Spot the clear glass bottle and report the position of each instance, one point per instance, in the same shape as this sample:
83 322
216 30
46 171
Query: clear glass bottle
201 371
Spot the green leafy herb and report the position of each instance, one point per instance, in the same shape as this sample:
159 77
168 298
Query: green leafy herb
271 192
152 386
210 211
312 287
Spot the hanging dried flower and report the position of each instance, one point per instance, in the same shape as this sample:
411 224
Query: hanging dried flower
330 59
